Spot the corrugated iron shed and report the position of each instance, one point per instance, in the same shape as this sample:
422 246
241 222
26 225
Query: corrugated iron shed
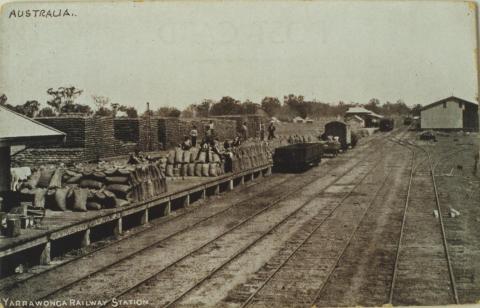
17 129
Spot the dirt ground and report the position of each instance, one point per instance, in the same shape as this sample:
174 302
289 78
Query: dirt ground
327 237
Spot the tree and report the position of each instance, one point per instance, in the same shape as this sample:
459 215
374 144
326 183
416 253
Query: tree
62 97
30 108
77 108
46 112
416 110
226 106
3 99
271 105
101 104
249 107
296 104
130 111
373 105
168 112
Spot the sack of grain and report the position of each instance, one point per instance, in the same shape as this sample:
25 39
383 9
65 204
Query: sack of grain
198 169
92 184
45 177
119 190
110 172
193 154
190 169
98 175
202 157
79 200
39 197
216 158
74 179
109 200
59 200
176 171
56 180
116 180
169 170
178 155
205 169
186 157
185 170
121 202
93 206
213 171
171 157
32 181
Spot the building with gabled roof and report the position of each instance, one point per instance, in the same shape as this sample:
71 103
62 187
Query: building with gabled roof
17 129
451 113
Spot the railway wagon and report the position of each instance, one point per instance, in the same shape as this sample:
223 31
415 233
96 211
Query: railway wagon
386 124
341 130
297 157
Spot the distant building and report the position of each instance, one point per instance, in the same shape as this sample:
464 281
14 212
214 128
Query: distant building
451 113
298 120
274 120
308 120
371 118
355 121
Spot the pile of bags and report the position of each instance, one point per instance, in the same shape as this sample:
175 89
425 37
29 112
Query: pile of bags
83 188
250 155
193 162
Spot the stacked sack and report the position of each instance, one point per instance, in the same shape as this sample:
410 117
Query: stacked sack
193 162
251 155
94 187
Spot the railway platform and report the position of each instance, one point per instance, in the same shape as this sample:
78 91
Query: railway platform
81 228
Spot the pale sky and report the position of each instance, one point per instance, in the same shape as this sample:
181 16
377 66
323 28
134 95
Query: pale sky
178 53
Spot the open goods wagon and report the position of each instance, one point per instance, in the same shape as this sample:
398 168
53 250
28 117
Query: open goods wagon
297 157
386 124
341 130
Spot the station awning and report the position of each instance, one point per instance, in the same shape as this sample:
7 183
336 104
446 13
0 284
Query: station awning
17 129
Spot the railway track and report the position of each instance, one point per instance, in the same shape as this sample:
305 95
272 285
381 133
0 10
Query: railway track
165 281
293 277
14 282
48 288
424 259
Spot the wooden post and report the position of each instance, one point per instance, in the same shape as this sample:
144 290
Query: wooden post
217 189
242 180
45 255
4 170
204 194
269 171
144 217
186 201
85 238
168 208
230 185
118 229
252 176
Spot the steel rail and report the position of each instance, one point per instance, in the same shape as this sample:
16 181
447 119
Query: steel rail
442 228
152 227
151 277
310 234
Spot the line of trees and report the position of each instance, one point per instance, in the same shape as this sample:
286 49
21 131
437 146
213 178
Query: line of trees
63 100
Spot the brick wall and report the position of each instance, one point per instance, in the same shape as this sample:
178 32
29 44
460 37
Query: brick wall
35 157
171 131
88 138
253 123
74 127
138 130
302 129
